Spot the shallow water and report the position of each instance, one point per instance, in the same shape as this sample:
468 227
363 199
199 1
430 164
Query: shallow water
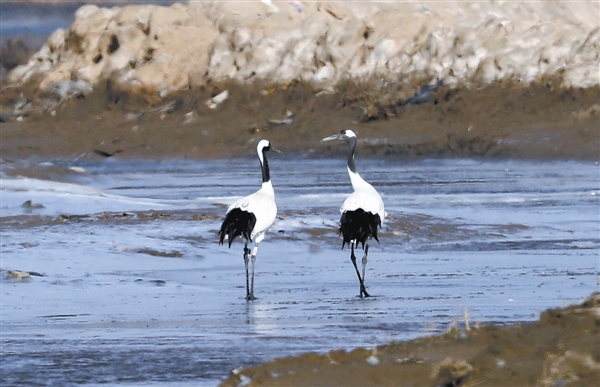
25 20
136 290
36 23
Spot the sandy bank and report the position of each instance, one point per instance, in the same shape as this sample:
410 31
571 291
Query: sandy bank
556 350
207 79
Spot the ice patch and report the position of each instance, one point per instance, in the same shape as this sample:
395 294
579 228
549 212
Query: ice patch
54 198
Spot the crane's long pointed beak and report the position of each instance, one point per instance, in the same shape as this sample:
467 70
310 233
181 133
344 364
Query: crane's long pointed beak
334 137
276 150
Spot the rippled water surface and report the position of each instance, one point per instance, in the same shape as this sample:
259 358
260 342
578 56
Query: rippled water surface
130 287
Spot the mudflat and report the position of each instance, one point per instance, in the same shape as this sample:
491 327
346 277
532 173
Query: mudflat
497 121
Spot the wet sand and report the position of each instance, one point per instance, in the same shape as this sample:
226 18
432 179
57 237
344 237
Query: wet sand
499 121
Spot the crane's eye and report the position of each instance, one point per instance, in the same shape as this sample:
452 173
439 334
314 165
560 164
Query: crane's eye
343 132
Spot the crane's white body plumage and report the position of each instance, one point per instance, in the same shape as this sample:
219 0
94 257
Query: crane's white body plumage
262 204
364 196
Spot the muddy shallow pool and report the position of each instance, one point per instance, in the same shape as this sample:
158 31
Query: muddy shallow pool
129 286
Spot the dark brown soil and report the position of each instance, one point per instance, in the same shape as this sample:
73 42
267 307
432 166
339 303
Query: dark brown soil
498 121
561 349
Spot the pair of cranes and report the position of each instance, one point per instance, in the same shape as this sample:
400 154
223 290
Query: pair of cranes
251 216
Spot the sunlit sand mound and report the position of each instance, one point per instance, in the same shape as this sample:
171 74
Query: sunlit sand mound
559 350
159 51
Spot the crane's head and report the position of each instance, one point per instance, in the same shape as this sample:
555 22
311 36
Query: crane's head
264 146
344 135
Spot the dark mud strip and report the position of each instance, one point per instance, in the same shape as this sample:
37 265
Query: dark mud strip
539 122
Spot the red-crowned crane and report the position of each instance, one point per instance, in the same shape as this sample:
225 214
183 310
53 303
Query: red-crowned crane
362 211
252 216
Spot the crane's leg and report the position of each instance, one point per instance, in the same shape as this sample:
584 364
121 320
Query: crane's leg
364 261
363 291
246 258
250 296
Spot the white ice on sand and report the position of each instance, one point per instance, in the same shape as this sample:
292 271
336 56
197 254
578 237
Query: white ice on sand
56 198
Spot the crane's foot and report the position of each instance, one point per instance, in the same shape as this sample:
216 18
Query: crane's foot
363 292
250 297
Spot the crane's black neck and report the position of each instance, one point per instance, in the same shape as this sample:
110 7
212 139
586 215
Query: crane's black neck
264 165
351 150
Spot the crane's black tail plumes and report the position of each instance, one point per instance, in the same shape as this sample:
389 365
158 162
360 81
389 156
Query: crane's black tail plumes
237 222
358 225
